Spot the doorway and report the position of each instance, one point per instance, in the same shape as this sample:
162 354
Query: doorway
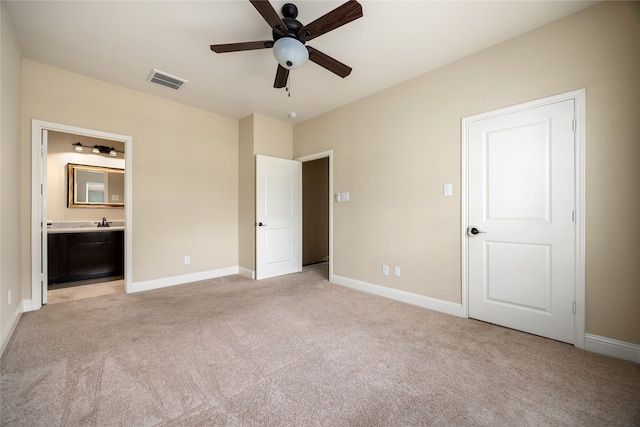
41 132
523 217
95 182
317 211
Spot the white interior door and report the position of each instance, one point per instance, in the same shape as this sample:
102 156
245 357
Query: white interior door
521 220
278 216
43 209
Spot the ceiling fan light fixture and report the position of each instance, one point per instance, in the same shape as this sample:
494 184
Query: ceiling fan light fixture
290 53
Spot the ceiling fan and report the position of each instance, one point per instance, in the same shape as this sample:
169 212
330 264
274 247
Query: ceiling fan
290 36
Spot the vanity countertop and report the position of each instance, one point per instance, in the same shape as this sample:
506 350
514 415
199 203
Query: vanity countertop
54 227
52 230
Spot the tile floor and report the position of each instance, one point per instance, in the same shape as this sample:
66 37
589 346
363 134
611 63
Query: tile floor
74 293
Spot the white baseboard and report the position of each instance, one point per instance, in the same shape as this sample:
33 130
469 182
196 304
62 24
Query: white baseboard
27 306
398 295
10 328
179 280
246 273
614 348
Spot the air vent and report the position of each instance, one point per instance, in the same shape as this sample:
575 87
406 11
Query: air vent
166 80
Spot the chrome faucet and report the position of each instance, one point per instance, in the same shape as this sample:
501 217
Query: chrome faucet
104 223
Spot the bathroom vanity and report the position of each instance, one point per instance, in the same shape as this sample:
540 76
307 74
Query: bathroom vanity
80 253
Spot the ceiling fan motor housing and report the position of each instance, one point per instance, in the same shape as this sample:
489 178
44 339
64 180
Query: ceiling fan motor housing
290 12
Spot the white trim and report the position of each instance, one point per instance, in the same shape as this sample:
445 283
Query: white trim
246 273
322 155
435 304
580 182
579 97
26 306
614 348
148 285
7 333
37 126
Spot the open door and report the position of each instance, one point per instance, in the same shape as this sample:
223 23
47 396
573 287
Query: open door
278 217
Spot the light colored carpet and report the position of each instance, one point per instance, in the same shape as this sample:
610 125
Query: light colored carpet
296 351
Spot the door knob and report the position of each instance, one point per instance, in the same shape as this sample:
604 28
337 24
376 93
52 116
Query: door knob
474 231
261 224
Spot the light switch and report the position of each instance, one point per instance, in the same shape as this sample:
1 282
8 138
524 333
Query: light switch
338 197
448 189
345 197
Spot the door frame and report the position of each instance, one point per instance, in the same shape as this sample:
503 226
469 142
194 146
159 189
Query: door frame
579 98
316 156
37 126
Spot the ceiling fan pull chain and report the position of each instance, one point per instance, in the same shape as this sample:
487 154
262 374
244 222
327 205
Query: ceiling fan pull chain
289 86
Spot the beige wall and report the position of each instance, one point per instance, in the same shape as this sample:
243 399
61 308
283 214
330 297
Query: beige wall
272 137
246 197
265 136
10 208
393 151
184 169
59 154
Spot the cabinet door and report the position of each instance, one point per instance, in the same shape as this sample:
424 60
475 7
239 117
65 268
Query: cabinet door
115 253
57 258
87 255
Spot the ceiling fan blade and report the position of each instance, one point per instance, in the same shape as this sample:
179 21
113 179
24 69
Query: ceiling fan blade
236 47
328 62
281 77
271 16
339 16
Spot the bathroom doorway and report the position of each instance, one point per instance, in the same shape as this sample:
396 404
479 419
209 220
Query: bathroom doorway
97 263
90 250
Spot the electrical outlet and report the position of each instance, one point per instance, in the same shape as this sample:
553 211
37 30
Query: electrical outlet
9 296
187 259
385 270
396 271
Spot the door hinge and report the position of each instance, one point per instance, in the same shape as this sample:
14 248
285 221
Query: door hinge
573 307
573 216
574 124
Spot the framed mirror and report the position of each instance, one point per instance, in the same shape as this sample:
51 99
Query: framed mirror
95 187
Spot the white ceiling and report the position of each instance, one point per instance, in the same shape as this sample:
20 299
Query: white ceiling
121 41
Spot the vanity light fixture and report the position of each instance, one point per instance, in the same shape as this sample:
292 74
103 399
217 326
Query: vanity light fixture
97 149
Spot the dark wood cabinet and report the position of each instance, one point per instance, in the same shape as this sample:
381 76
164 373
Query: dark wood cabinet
85 255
